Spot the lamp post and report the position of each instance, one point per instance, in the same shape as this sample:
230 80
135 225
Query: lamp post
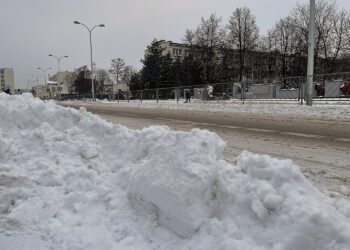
28 82
44 71
92 67
30 85
58 72
36 78
311 54
58 65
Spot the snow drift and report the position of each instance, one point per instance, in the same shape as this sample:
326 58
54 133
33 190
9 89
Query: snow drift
70 180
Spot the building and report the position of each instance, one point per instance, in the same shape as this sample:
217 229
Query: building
54 89
64 80
7 80
41 91
123 87
175 50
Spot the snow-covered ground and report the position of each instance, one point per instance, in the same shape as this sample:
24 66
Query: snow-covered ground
70 180
321 109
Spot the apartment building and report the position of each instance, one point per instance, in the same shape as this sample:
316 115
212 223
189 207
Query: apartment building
7 80
65 80
175 50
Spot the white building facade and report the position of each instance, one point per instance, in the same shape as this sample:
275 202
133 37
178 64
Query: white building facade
7 80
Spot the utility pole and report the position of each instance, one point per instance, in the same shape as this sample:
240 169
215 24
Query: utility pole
311 54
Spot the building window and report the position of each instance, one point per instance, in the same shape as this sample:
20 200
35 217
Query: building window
177 52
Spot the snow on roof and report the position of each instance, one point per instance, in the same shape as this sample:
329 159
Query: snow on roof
70 180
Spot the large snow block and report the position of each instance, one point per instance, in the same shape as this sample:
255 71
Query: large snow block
180 200
177 188
171 210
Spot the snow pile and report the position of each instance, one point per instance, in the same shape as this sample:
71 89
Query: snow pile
69 180
332 110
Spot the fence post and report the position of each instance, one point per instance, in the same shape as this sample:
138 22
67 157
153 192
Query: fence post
141 95
302 91
205 93
177 95
243 91
157 95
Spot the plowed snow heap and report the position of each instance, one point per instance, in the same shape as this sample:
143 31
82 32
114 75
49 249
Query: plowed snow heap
70 180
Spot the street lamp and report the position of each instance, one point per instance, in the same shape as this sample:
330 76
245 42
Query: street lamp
44 71
58 65
36 78
28 83
58 72
92 68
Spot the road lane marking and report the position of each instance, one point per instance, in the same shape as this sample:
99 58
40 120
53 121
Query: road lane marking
126 114
229 126
342 139
303 135
262 130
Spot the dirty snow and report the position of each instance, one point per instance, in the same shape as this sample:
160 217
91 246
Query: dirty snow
70 180
321 109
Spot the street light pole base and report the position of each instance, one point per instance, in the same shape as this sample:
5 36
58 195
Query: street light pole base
309 100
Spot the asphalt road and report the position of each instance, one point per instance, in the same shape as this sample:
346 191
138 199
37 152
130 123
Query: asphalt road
327 129
320 147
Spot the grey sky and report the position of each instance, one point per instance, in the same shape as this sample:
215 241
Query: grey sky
32 29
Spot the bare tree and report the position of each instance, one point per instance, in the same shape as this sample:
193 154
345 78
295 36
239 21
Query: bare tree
209 33
269 45
243 34
300 18
333 39
128 72
331 30
102 79
284 33
117 69
203 41
189 37
347 31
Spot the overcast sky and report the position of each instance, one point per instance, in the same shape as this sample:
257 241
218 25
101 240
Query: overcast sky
32 29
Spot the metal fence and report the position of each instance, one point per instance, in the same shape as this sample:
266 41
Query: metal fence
326 86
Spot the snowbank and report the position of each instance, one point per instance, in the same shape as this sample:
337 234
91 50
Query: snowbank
70 180
321 109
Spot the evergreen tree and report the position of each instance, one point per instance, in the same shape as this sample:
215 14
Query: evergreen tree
136 81
177 76
194 70
156 67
